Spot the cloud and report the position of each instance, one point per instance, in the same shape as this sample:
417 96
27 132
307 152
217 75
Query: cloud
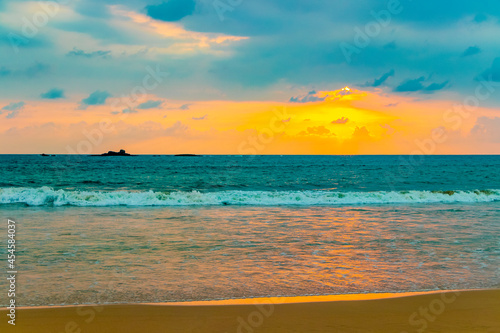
14 108
435 86
200 118
96 98
80 53
361 133
341 121
417 85
128 110
171 10
388 129
30 71
471 50
318 130
53 94
379 81
310 97
411 85
151 104
182 107
487 129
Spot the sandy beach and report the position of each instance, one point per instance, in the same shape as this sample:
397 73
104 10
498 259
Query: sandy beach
455 311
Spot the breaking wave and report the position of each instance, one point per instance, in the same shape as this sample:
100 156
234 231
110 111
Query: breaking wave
46 196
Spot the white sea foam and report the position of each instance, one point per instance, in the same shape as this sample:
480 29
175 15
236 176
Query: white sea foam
45 196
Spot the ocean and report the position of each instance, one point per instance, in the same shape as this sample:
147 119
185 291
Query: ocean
167 229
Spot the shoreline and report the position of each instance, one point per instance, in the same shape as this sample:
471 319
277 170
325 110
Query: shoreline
268 299
435 311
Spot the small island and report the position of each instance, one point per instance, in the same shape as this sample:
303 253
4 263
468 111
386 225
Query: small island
114 153
187 155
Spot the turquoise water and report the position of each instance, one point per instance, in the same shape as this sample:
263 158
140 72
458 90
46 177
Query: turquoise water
156 229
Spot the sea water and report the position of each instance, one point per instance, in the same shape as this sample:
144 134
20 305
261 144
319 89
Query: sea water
165 228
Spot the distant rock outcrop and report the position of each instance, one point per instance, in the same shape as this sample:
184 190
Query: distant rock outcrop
188 155
114 153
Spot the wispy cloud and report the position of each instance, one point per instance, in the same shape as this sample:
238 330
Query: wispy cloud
14 109
95 54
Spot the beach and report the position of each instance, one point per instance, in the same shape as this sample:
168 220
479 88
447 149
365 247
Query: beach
472 311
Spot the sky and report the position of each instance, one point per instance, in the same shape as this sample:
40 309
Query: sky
250 77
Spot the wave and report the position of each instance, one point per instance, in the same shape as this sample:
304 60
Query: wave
46 196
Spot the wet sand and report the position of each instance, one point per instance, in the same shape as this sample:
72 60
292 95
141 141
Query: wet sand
455 311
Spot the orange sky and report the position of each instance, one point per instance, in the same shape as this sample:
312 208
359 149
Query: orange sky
346 122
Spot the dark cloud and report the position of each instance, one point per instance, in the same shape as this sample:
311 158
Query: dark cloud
310 97
200 118
471 50
411 85
151 104
435 86
417 85
172 10
53 94
379 81
95 54
96 98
